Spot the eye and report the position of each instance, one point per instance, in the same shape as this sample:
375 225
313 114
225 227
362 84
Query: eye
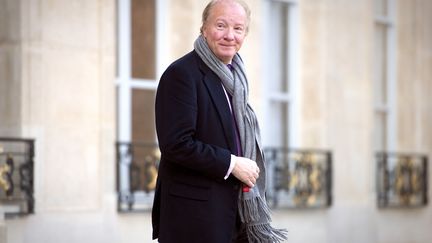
220 26
239 29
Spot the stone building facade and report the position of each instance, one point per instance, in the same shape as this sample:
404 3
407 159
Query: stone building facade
353 77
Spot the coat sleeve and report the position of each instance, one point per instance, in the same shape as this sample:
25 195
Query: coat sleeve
177 112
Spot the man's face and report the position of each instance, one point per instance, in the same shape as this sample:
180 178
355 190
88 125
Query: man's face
225 30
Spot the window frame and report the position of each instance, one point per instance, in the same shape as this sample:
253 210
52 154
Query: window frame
125 84
292 97
387 107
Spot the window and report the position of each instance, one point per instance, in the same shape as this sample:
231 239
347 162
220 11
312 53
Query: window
280 81
139 44
280 111
136 77
384 76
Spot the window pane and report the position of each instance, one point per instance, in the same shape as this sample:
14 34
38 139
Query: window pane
380 65
143 127
279 48
278 64
145 151
279 126
143 39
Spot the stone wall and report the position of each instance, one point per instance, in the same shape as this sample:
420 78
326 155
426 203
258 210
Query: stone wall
57 72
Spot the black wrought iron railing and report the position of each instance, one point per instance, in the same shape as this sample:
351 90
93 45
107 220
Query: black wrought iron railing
137 165
296 178
299 178
16 176
402 180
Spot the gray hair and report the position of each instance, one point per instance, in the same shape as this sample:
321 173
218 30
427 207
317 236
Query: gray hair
211 4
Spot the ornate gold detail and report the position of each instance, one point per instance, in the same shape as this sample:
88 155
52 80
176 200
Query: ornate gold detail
6 171
143 172
150 174
4 183
407 180
306 179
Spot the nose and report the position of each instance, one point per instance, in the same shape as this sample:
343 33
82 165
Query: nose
229 35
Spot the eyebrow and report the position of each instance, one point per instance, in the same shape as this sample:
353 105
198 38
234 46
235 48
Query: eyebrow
224 20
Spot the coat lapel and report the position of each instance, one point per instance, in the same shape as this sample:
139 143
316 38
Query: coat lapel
217 94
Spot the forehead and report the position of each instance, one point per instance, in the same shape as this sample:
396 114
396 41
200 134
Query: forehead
230 11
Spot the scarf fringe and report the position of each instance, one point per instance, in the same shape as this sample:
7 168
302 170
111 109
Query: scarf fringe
266 233
252 209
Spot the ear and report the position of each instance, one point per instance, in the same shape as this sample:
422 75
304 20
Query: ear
204 31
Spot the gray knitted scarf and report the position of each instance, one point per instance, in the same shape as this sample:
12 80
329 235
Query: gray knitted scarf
253 209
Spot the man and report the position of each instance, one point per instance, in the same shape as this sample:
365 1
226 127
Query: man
210 188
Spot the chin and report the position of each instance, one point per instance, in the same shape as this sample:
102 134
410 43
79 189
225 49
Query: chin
226 56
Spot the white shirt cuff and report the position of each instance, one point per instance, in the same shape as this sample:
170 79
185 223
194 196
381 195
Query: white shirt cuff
230 169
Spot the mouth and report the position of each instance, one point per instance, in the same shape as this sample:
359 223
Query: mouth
227 46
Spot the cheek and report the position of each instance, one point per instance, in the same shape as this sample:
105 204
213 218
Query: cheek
216 36
239 41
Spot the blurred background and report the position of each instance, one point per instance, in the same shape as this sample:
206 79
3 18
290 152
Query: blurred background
342 89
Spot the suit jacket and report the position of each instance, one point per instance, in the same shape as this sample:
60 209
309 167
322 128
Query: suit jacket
193 202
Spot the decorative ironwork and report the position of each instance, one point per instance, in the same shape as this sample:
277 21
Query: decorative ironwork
16 176
298 178
6 172
137 166
402 180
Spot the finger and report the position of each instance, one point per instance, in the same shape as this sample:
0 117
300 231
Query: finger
250 183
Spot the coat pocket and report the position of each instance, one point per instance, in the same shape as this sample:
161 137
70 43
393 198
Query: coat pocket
190 191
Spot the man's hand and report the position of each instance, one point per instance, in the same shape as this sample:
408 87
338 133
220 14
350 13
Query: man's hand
246 171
